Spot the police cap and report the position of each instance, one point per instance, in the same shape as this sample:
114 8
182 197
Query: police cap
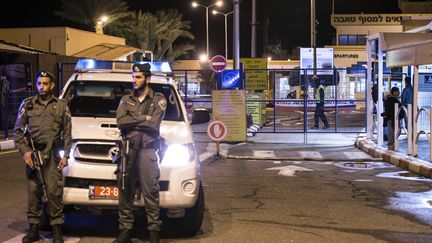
45 74
142 67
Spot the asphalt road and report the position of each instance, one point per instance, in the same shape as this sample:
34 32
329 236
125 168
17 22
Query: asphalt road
265 201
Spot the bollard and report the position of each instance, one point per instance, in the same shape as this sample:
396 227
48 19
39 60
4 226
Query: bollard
396 127
409 130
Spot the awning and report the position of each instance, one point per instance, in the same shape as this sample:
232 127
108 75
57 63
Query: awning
406 49
107 51
15 48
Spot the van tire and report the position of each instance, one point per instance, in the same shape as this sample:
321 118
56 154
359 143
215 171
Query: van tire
191 223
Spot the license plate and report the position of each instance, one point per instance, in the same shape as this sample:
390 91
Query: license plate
103 192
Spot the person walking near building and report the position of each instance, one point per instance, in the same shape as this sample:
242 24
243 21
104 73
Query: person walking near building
139 116
407 98
389 106
42 120
319 101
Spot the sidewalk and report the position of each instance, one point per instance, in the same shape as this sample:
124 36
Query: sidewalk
413 164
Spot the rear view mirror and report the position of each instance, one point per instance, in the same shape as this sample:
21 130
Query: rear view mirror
200 116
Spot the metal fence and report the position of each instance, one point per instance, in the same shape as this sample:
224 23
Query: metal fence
288 99
288 102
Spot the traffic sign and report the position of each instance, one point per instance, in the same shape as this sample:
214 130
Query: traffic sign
218 63
217 131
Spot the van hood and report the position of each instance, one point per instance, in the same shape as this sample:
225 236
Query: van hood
89 128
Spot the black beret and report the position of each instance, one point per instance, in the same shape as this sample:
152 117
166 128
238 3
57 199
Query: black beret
45 74
142 67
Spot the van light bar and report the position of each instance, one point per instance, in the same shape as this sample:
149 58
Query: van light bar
93 64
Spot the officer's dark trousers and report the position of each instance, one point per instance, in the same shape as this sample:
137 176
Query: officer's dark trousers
54 188
144 169
319 114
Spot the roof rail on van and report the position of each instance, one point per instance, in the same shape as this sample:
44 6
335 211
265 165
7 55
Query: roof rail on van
89 65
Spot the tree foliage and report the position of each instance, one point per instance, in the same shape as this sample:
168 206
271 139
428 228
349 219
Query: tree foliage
88 12
164 33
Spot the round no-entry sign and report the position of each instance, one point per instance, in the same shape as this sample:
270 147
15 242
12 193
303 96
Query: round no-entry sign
218 63
217 131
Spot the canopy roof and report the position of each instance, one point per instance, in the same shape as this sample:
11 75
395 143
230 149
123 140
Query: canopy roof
107 51
406 49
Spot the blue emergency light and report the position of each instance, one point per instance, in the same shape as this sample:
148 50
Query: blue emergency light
93 64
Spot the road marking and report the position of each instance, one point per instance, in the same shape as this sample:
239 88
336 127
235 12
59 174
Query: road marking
263 154
311 154
8 152
289 170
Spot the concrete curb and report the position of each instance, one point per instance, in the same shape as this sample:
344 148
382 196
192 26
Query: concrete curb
7 145
230 156
413 164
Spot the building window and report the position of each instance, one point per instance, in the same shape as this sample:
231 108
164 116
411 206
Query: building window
343 40
352 40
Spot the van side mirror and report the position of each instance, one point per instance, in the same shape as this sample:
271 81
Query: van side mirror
200 116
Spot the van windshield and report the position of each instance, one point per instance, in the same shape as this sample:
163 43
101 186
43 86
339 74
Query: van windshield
101 98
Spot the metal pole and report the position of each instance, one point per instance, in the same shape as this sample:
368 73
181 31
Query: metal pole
415 105
369 101
236 34
226 37
430 133
207 31
409 130
380 97
313 35
274 101
253 23
396 127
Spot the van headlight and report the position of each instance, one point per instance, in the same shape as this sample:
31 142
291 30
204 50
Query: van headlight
178 155
61 153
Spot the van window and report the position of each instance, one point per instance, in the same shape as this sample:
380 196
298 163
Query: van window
101 98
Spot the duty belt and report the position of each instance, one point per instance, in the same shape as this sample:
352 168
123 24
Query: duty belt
153 144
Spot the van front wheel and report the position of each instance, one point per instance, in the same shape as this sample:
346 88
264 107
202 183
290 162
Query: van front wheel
191 223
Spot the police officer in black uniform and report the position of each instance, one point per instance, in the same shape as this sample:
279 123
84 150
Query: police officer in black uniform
139 116
45 118
319 101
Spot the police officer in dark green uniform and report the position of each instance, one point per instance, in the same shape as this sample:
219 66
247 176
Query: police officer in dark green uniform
139 116
45 118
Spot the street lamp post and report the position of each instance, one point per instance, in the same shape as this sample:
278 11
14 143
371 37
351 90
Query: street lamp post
226 30
103 20
218 4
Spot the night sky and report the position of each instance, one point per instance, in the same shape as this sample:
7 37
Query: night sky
289 19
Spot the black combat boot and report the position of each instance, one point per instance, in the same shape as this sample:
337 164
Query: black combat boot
154 236
32 234
57 234
123 237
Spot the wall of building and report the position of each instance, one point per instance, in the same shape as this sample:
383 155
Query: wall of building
47 39
59 40
79 40
366 29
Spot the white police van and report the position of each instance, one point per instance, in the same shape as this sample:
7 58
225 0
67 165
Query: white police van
93 93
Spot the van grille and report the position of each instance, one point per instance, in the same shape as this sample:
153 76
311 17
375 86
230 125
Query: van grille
95 153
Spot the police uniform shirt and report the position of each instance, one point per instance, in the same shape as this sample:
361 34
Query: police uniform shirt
44 121
131 116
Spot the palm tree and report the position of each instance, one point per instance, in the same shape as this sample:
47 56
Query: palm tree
88 12
162 33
